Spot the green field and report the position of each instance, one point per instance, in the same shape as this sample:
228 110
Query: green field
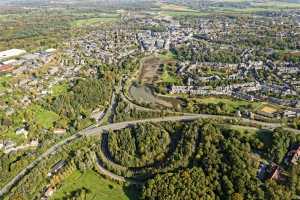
3 81
279 5
174 7
257 7
233 104
167 78
167 56
183 13
245 130
11 134
174 10
43 117
96 20
59 89
98 187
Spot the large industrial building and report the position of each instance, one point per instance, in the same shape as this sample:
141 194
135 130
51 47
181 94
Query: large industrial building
11 53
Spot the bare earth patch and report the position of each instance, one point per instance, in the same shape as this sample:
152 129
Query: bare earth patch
268 109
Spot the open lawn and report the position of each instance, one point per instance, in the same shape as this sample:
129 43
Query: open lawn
98 187
231 103
3 81
59 89
43 117
263 135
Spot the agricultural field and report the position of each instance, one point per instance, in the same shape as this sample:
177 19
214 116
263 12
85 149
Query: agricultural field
173 10
174 7
276 5
95 21
254 7
183 13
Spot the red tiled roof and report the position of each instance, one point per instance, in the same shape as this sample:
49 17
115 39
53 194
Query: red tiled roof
6 68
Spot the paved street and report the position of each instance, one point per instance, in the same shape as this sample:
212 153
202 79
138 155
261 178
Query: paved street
118 126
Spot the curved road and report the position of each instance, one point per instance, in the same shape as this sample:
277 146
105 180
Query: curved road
91 131
113 176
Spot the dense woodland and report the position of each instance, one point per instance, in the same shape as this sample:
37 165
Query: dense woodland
136 147
75 106
127 112
222 162
194 160
223 166
204 54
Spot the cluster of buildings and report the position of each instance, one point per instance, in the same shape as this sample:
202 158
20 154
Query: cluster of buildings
276 172
18 61
280 87
146 35
152 41
108 47
228 90
31 77
9 146
283 87
33 85
49 189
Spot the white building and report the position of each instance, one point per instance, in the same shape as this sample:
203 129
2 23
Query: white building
22 131
11 53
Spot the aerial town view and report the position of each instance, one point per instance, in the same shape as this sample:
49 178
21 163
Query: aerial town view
149 99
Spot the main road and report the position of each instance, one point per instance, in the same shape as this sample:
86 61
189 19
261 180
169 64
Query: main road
92 131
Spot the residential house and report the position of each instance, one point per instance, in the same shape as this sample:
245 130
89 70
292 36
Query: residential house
22 131
293 156
59 131
275 173
58 166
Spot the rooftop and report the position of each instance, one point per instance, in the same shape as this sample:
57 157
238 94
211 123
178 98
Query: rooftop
11 53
